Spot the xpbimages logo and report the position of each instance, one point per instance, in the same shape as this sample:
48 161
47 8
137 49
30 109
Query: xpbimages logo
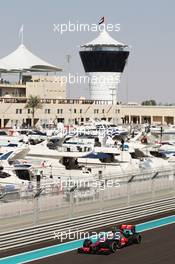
83 27
77 235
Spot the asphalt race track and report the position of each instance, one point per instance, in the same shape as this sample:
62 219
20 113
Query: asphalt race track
158 246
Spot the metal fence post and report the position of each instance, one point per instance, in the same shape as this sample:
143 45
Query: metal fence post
71 193
36 199
101 200
128 193
20 196
174 182
35 206
152 190
129 189
100 177
153 185
71 204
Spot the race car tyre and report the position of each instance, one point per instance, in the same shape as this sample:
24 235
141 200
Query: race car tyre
93 250
119 245
79 250
87 243
138 239
113 246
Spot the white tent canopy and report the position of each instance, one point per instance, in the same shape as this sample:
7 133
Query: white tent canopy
104 39
23 60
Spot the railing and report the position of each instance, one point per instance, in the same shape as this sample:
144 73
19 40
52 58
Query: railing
12 85
55 101
21 100
56 200
137 106
27 236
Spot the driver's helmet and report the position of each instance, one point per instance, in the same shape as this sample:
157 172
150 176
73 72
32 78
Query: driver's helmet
102 237
128 232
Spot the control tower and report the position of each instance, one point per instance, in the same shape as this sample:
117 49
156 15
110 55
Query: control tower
104 60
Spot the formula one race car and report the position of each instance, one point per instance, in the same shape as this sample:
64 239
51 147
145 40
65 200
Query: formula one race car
103 245
109 242
126 235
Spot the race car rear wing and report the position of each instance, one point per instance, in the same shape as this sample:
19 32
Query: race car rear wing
128 227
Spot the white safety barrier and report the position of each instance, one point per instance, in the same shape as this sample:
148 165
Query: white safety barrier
40 233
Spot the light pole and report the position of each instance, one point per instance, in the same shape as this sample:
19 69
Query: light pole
68 58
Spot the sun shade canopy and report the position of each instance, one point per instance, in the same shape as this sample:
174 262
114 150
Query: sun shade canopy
23 60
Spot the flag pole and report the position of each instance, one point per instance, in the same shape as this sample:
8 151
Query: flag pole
22 35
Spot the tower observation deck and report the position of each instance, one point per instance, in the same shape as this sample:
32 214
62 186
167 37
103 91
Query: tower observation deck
104 60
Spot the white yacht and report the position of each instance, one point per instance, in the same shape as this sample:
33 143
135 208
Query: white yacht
99 128
6 139
18 150
164 130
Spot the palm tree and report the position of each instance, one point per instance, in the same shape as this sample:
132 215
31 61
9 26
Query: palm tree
33 103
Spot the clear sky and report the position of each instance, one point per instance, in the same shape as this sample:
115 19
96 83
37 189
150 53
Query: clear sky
148 26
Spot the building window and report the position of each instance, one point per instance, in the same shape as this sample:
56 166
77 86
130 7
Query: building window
59 111
29 111
96 111
103 111
75 110
47 111
18 111
81 111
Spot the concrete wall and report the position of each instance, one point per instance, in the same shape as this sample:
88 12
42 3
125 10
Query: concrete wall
43 86
46 89
153 114
12 111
